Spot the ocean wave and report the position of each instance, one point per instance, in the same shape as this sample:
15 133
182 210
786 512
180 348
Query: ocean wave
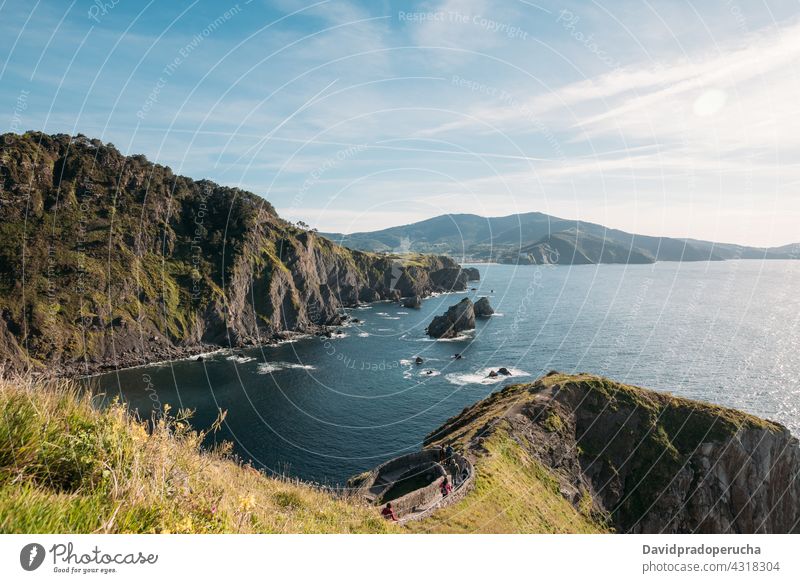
292 340
460 338
420 372
271 367
480 377
363 334
203 355
240 359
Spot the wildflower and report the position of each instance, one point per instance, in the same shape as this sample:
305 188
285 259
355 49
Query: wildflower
247 503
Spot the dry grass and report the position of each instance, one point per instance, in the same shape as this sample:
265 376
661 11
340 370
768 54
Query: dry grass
513 493
67 467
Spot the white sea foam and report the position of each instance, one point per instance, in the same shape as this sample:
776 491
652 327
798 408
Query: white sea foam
291 340
240 359
203 355
270 367
420 372
481 377
363 334
459 338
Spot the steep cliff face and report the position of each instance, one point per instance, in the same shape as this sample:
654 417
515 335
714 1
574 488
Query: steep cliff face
641 461
108 260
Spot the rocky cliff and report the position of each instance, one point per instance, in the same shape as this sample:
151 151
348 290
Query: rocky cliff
631 459
108 260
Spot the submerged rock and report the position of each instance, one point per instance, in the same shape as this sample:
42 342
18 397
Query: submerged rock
457 319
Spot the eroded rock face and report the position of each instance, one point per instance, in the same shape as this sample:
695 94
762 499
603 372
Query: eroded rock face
184 266
457 319
414 302
472 273
649 462
450 279
483 308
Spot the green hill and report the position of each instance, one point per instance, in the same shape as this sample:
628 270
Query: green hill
510 239
573 248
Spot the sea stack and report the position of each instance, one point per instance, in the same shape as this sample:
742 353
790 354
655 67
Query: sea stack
457 319
414 302
483 309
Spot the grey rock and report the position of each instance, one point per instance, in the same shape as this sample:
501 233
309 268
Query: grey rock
457 319
483 309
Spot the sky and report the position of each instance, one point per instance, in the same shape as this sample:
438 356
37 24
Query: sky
658 117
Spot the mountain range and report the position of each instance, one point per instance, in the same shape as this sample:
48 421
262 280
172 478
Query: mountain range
538 238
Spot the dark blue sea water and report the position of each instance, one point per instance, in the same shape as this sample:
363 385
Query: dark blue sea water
325 409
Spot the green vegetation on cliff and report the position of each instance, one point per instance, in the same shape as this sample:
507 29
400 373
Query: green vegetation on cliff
110 260
621 457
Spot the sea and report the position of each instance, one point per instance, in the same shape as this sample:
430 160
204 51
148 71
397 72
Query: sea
324 409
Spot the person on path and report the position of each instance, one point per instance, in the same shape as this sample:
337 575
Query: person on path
388 512
446 488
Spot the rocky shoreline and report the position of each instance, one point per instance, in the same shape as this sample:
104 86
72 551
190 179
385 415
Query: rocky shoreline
211 266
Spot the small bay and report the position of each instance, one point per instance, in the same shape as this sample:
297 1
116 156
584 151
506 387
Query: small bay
324 409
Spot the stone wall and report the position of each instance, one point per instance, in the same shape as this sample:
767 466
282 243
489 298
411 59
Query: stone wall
374 484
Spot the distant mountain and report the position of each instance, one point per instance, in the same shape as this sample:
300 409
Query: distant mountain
539 238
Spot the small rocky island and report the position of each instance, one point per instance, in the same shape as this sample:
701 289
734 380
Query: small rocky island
483 308
454 321
459 318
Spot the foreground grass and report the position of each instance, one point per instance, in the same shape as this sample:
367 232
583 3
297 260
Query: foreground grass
513 493
67 467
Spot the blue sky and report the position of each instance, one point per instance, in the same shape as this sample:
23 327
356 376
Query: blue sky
673 118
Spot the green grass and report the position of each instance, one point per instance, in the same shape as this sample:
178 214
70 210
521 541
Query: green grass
66 467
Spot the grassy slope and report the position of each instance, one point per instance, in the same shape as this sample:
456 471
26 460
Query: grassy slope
513 493
65 467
